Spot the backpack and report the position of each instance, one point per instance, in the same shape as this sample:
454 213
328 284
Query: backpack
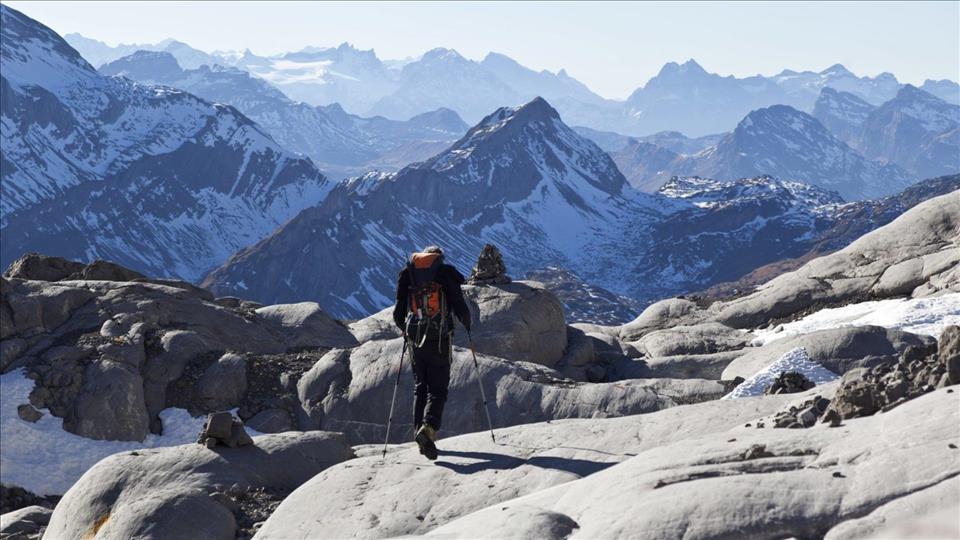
427 304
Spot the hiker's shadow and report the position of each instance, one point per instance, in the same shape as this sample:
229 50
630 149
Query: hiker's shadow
487 461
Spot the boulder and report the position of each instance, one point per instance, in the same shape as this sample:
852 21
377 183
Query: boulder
28 413
949 352
662 314
176 492
380 325
307 325
374 497
790 382
811 480
271 421
704 338
42 268
110 404
836 349
903 255
106 271
200 293
684 366
348 391
224 383
25 523
520 321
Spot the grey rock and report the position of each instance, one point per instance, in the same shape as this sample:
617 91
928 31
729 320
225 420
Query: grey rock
837 349
110 404
200 293
580 350
807 491
520 321
345 391
307 325
106 271
10 350
319 387
694 366
25 523
111 328
42 268
28 413
704 338
477 473
380 325
949 352
219 425
223 384
164 493
271 421
228 301
657 316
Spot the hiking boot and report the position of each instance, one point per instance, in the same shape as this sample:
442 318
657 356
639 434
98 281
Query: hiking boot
426 435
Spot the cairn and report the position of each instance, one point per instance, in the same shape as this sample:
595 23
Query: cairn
222 428
490 269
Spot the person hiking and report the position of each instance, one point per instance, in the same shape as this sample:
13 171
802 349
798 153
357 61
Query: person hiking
428 291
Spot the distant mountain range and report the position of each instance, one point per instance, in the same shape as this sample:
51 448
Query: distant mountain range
340 143
151 177
545 195
848 145
173 166
681 97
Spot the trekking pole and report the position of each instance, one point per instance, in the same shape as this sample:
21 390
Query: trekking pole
483 394
393 401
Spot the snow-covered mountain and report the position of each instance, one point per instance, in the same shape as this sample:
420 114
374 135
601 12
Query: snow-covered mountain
99 53
944 89
354 78
916 130
681 97
784 142
444 78
160 180
674 141
338 142
687 98
523 180
842 113
520 179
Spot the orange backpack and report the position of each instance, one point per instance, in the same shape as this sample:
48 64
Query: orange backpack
427 303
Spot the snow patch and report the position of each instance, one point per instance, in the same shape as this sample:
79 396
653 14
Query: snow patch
793 360
45 459
928 316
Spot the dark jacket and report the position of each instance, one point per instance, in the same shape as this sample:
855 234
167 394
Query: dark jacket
450 279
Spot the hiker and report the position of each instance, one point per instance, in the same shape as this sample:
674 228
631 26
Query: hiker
428 291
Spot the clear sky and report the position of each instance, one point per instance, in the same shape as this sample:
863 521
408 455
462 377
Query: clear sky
612 47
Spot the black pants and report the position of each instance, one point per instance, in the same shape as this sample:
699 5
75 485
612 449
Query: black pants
431 376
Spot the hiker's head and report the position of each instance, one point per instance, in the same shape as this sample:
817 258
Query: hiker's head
433 249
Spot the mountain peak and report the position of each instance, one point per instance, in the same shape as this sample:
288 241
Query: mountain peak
442 55
837 70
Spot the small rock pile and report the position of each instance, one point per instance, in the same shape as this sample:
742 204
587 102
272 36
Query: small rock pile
223 428
802 416
790 382
490 268
867 391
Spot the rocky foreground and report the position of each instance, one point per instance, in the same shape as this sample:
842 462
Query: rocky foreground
602 431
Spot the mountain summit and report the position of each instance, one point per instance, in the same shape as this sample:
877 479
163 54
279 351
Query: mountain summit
520 178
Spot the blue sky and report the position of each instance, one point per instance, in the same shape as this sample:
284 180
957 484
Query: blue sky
612 47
